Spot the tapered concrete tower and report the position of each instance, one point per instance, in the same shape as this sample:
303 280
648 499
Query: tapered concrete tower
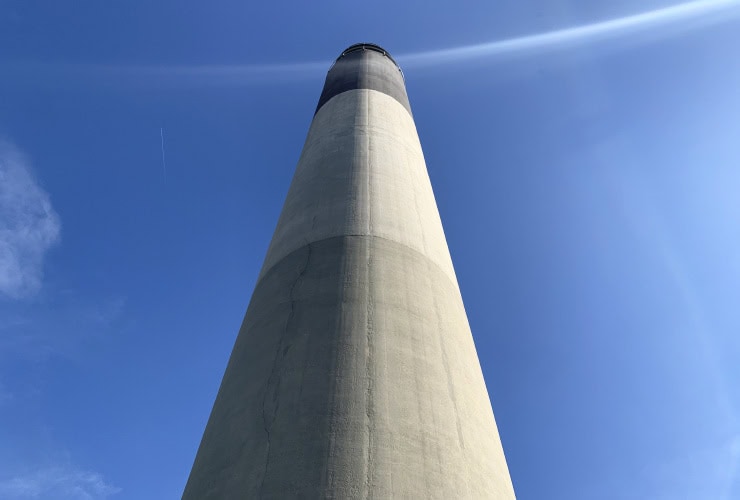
354 374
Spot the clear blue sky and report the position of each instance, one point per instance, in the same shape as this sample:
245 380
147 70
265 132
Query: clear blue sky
588 181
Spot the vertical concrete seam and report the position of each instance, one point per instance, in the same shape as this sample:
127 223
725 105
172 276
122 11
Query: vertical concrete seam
369 390
274 373
369 342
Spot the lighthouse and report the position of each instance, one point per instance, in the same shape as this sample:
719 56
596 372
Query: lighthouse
354 373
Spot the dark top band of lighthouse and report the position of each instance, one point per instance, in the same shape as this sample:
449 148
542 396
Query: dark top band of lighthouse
365 66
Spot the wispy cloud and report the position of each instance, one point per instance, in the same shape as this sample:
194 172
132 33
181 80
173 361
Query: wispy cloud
57 482
29 226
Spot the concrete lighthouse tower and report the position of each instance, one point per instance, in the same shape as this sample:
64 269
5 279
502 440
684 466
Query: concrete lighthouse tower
354 374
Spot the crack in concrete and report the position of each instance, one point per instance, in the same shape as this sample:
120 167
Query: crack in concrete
274 375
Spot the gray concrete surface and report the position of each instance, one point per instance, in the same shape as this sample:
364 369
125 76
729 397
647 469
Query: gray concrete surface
354 374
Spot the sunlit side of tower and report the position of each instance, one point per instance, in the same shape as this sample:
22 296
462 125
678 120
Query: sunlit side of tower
354 374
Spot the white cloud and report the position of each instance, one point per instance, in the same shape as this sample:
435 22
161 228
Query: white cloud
57 482
29 226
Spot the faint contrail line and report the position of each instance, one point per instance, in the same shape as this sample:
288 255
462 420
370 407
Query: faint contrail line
164 163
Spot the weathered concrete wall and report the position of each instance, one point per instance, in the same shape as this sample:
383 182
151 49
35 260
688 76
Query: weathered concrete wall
354 374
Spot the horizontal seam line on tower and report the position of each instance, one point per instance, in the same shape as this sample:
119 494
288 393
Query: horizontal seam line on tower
408 109
267 271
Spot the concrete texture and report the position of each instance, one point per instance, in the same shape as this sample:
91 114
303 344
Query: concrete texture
354 374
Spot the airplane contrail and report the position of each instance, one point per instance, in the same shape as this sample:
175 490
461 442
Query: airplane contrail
164 163
689 15
659 23
699 11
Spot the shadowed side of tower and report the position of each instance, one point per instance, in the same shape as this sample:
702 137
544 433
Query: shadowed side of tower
354 374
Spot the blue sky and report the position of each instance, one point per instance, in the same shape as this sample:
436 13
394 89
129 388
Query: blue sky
587 176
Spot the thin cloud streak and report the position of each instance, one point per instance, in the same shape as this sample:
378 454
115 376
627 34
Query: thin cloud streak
699 12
